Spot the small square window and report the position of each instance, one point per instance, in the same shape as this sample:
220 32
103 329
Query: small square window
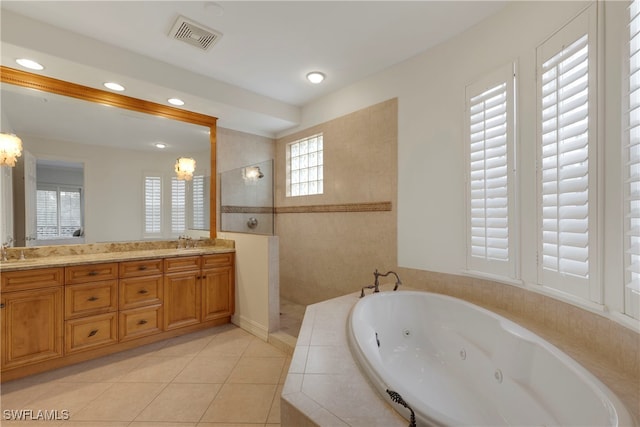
304 167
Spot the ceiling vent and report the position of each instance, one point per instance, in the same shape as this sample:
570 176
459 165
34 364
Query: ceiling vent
193 33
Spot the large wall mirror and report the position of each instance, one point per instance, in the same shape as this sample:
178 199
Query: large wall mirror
94 152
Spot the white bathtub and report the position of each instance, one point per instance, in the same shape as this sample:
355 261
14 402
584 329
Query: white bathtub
455 363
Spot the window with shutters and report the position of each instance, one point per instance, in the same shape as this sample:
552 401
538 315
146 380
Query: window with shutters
198 198
305 167
153 206
178 206
632 169
58 212
490 174
567 258
187 200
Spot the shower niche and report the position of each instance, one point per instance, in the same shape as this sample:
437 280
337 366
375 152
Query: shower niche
246 199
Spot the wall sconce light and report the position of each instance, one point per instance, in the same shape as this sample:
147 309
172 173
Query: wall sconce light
185 166
10 149
252 173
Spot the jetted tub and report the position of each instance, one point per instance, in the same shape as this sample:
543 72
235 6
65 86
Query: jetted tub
455 363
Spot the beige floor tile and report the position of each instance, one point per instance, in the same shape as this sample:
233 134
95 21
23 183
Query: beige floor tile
274 412
241 403
71 397
180 402
226 346
20 393
259 348
121 402
203 369
157 369
230 425
257 370
160 424
96 424
105 369
285 370
28 420
185 345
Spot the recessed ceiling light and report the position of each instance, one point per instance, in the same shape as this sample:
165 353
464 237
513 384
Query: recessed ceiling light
315 77
175 101
160 145
30 64
114 86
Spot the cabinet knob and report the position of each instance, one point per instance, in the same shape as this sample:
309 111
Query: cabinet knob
143 291
92 333
142 267
2 305
93 298
93 273
142 322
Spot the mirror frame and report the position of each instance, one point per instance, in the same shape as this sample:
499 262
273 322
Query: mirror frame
74 90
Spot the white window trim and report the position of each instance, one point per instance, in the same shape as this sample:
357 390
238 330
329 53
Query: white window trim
497 269
590 289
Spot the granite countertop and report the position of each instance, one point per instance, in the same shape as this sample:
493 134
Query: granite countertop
65 255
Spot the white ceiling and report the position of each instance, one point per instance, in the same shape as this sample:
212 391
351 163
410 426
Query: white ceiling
259 65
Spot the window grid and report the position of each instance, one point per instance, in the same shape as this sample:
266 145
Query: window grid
565 161
58 212
489 174
178 205
198 196
632 169
305 167
153 205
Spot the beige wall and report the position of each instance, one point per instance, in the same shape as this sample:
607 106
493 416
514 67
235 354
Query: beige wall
323 255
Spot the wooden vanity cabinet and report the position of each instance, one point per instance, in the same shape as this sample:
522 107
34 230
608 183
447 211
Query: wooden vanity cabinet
53 317
91 305
218 286
31 306
182 292
141 298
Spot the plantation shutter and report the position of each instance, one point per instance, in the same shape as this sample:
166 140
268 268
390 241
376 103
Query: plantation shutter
178 206
632 182
46 213
153 205
198 202
490 170
567 124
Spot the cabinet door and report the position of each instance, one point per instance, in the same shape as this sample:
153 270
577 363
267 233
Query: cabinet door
181 299
31 326
217 293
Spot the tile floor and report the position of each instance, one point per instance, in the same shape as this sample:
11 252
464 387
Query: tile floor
219 377
291 315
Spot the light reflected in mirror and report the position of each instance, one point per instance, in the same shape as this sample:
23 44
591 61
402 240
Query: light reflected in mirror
116 148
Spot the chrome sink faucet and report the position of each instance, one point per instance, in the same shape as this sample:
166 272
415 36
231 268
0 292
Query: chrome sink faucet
4 247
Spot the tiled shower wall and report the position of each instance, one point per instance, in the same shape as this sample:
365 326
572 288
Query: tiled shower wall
330 244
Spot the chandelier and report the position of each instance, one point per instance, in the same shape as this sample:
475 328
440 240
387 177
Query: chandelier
185 166
10 149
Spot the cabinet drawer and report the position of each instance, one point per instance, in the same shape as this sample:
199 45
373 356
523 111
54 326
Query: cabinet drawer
90 298
217 260
90 332
140 322
182 263
31 279
140 291
90 273
145 267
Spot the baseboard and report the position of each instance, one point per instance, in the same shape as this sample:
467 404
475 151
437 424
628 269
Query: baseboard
250 326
